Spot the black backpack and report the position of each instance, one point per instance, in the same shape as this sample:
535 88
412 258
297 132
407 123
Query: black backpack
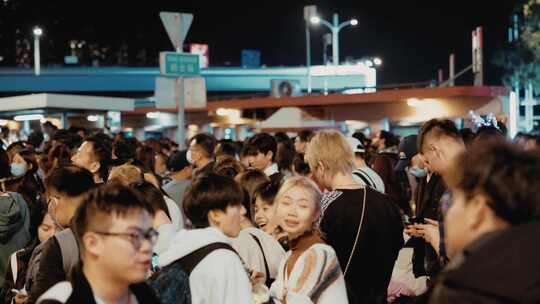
171 283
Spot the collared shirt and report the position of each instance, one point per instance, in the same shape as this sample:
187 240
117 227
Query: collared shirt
271 170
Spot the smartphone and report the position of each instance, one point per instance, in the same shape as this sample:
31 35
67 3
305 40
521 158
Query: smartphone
155 263
418 220
410 220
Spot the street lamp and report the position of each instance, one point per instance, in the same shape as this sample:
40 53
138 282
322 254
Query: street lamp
310 12
377 61
334 27
37 61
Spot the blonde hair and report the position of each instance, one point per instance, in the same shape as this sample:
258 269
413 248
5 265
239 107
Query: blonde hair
330 148
304 183
126 174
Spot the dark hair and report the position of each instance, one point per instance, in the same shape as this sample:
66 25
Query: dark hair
505 175
5 131
153 196
72 140
246 202
360 136
210 192
251 179
59 155
228 166
5 168
207 142
70 180
305 135
29 157
75 130
124 149
147 157
37 214
467 135
390 139
15 147
28 185
438 128
99 205
281 137
285 155
105 138
266 192
102 150
35 138
300 166
154 144
49 124
227 148
489 133
261 143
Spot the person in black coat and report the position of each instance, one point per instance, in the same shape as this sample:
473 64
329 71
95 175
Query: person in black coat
362 225
492 230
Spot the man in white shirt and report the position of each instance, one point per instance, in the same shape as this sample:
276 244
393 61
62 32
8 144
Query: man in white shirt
261 152
213 204
362 172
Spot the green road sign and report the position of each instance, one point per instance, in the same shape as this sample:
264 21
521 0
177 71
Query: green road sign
178 64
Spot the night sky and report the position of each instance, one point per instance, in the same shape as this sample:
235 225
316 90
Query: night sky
414 38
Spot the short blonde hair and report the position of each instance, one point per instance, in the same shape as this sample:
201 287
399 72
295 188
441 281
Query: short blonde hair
303 183
330 148
126 174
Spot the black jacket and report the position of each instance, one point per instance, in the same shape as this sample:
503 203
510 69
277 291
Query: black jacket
500 267
428 205
380 240
51 270
82 292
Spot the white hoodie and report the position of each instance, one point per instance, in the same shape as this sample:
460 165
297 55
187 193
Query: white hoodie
220 277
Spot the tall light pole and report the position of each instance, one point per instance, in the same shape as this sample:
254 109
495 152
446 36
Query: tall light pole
334 27
37 60
309 12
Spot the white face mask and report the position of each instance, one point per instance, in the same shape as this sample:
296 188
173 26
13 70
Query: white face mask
18 169
189 157
418 172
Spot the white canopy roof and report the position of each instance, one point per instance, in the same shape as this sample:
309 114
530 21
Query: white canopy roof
294 118
62 101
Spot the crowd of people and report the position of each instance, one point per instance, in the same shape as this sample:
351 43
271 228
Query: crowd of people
444 216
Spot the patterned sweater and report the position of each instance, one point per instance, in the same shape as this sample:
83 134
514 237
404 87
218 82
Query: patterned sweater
309 273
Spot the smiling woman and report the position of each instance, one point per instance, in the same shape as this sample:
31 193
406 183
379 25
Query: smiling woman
310 272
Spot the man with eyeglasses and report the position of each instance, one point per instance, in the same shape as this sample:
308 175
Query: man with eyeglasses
66 187
113 227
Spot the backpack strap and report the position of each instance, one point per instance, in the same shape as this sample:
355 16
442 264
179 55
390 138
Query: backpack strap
365 178
190 261
14 270
268 281
69 248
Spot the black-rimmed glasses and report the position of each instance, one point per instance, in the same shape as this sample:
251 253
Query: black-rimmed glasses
136 238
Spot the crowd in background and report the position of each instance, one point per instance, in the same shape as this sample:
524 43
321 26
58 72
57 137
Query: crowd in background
443 216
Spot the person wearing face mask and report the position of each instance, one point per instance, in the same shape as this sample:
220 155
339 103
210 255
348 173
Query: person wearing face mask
404 171
66 189
200 153
26 181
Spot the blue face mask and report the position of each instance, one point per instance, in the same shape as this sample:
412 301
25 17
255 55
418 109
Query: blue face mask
418 172
18 169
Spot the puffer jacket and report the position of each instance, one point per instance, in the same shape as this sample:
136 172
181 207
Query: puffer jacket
14 227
